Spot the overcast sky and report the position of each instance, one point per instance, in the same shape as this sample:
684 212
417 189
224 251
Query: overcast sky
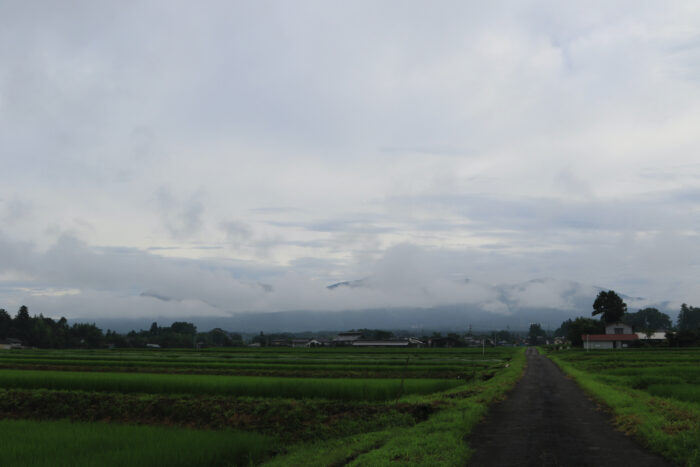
241 156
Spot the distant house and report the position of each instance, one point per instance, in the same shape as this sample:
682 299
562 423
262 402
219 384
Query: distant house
306 343
10 343
561 341
617 336
346 338
153 346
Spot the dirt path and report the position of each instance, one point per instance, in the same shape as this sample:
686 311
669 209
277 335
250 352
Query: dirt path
548 421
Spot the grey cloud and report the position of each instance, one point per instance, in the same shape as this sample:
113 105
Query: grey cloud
440 150
275 210
531 214
189 247
362 223
181 218
16 209
405 276
236 231
142 141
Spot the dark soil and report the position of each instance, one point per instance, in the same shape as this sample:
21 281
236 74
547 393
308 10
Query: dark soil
547 420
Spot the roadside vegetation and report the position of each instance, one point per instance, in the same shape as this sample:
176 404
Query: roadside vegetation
654 394
243 406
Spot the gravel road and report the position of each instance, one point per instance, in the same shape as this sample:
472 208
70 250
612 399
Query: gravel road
547 420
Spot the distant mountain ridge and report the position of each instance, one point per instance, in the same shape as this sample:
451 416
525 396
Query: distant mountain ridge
517 302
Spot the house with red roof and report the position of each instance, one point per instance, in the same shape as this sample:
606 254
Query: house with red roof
617 336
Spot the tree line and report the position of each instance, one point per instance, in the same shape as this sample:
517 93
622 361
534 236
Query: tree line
47 333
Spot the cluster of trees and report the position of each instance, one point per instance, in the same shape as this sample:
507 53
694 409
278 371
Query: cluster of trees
612 309
687 329
573 329
536 335
46 333
179 334
39 331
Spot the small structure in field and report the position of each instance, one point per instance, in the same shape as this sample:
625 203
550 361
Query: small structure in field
295 342
394 343
617 336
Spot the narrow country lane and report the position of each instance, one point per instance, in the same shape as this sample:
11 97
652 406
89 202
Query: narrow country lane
547 420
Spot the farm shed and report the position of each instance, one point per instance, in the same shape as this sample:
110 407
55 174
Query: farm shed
363 343
658 336
346 338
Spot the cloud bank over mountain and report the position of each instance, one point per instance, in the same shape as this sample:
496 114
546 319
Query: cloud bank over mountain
73 280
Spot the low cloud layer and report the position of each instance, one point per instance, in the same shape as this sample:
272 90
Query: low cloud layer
74 280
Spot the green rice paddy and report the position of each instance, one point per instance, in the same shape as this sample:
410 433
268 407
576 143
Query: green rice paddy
61 443
345 389
271 405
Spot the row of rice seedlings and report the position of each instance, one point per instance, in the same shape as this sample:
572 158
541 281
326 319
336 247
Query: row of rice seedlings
246 366
675 390
279 352
63 443
320 358
670 369
346 389
319 362
284 370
